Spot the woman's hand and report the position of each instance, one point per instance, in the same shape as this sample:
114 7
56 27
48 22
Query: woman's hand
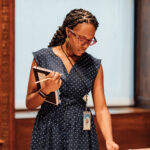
111 145
33 99
52 84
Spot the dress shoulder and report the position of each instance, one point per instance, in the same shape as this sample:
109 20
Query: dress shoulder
94 62
40 55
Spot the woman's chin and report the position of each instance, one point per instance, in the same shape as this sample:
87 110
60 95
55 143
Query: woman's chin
80 53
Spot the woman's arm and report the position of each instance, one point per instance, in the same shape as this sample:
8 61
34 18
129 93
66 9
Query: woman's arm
101 111
33 99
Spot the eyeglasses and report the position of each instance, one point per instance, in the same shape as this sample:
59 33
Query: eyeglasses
84 40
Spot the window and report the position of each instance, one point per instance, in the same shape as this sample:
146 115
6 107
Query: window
36 22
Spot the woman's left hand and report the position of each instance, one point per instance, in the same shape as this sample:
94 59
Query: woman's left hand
111 145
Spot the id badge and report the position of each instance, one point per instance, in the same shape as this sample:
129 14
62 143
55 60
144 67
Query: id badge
86 120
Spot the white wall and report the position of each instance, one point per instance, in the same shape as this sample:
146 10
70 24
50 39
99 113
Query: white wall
37 20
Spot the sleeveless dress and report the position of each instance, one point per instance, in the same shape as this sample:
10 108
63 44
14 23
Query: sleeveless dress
61 127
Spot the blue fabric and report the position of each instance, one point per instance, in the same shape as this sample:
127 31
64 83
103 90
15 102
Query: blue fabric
61 127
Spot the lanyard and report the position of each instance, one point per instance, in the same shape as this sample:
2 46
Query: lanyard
86 96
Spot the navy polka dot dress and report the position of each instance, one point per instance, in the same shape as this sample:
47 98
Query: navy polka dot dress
61 127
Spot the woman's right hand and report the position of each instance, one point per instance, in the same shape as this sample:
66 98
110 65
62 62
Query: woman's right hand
33 99
52 84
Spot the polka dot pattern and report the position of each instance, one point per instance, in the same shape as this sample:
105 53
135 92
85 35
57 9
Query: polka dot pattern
61 127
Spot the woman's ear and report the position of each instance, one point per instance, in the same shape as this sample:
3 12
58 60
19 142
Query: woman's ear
67 31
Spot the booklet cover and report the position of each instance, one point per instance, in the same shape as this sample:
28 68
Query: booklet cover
40 76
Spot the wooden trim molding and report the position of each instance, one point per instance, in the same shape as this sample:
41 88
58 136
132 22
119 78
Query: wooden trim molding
7 73
142 53
143 101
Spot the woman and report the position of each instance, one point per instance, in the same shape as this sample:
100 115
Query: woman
62 127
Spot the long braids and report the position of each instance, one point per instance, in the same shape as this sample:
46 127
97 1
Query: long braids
73 18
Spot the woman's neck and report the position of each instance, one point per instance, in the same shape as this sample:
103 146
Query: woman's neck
68 51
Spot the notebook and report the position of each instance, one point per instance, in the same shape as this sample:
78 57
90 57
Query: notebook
40 76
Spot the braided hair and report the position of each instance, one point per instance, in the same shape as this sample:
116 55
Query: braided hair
73 18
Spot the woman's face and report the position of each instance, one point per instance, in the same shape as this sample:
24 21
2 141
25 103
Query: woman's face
79 37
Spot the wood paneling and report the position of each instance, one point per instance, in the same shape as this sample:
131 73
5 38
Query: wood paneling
7 73
23 133
142 53
131 129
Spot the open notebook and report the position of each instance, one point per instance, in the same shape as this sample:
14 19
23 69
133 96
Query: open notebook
40 76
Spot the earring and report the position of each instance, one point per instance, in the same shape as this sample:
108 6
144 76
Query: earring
67 39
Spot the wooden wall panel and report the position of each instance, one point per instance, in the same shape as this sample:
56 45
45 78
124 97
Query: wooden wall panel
23 133
142 53
7 73
131 130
